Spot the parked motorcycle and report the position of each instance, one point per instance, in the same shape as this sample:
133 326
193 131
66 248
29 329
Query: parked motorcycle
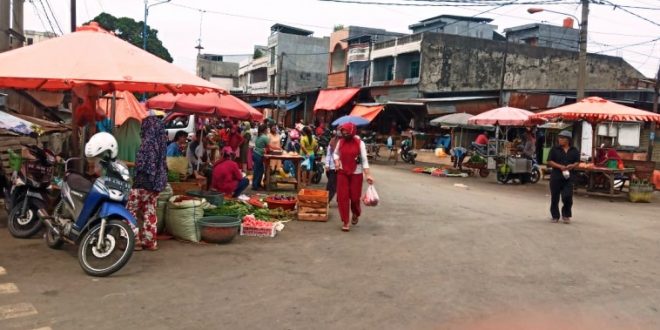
406 151
29 192
93 214
318 166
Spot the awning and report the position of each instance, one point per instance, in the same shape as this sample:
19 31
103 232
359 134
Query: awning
367 111
333 99
261 104
292 105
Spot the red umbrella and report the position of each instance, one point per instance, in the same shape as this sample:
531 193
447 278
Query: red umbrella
504 116
206 104
595 109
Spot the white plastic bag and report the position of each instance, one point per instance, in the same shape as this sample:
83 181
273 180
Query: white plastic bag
371 196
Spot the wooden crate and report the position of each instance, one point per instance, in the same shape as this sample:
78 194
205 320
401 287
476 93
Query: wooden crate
180 188
313 205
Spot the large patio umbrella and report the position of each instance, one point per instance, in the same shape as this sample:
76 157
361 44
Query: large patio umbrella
208 104
127 106
504 116
595 110
94 56
452 120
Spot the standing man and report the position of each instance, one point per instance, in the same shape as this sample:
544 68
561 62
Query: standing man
563 159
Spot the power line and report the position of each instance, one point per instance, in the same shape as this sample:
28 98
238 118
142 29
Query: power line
628 11
245 16
451 4
627 46
50 23
36 11
54 17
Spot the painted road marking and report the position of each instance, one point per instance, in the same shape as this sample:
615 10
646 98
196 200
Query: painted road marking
3 271
6 288
16 310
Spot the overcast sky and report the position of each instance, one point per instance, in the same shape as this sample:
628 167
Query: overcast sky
233 27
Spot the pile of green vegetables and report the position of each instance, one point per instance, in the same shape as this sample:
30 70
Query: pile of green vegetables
240 210
476 159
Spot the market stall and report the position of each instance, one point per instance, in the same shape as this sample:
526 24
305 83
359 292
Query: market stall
501 154
208 104
596 177
273 180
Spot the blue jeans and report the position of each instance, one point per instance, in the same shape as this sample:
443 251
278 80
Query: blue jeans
258 170
244 183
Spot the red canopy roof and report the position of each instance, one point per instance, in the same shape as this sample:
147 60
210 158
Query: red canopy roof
333 99
596 109
206 104
94 56
368 112
504 116
127 106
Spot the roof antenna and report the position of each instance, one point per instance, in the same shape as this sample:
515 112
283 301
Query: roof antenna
199 40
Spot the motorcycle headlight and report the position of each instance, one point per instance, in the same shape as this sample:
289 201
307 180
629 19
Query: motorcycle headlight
116 195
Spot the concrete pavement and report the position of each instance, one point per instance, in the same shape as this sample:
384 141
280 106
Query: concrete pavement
431 256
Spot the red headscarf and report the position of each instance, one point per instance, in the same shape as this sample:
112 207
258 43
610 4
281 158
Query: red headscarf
349 128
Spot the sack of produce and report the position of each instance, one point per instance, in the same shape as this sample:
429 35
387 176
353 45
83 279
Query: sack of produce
177 165
183 214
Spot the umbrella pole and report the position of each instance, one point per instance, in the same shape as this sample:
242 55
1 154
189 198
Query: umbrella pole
594 129
113 111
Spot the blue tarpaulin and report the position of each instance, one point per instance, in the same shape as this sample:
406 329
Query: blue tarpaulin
15 124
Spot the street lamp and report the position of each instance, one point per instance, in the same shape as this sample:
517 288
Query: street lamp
582 57
146 13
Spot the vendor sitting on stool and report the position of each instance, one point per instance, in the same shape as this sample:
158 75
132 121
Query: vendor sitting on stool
227 176
481 142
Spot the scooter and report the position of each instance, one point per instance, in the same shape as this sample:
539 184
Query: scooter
318 167
506 173
29 192
93 215
407 154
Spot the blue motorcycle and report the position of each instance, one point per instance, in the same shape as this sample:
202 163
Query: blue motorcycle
93 215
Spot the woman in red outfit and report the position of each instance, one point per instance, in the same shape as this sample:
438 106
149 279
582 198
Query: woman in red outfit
227 177
352 165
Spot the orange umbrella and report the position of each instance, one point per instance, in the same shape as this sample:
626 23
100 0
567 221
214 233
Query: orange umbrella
127 106
206 104
504 116
595 109
93 56
367 111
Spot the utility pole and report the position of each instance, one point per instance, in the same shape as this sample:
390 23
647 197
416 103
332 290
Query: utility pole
280 62
656 95
73 16
5 10
582 58
503 73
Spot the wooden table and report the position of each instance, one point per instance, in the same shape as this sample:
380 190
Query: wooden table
297 161
608 173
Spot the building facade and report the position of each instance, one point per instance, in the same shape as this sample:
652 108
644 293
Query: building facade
546 35
349 55
293 62
213 68
475 27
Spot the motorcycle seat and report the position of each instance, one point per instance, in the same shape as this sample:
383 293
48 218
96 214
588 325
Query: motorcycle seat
79 183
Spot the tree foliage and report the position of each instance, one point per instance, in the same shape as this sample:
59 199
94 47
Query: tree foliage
128 29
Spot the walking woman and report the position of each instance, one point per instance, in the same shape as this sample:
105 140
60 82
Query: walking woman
260 145
150 180
352 165
308 147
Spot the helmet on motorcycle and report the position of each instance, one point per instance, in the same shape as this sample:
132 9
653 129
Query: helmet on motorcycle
100 143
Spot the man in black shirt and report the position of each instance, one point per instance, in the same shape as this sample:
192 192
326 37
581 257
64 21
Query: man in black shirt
562 159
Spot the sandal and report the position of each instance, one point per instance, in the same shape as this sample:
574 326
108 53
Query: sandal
554 220
355 220
151 248
567 220
138 248
345 228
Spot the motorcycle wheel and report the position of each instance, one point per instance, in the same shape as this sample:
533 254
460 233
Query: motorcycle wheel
503 177
535 176
116 252
316 178
53 240
404 157
26 226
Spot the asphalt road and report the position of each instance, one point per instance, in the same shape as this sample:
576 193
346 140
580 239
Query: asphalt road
431 256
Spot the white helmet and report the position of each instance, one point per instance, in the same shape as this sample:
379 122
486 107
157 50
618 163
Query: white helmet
100 143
